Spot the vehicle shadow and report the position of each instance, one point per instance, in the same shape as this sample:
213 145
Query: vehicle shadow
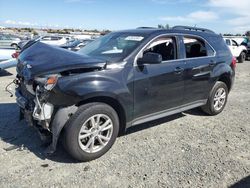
243 183
196 112
19 136
153 123
4 73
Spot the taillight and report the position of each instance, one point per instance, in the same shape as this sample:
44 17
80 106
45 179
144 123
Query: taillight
15 55
233 64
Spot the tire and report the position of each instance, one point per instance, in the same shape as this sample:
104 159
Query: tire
211 108
14 46
242 57
83 123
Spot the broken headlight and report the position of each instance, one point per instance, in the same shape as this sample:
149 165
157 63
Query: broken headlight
48 81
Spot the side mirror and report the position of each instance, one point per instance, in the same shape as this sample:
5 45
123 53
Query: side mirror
150 58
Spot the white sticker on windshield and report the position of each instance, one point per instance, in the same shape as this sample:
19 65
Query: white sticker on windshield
134 38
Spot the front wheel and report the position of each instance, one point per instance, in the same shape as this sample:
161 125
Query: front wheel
242 57
91 131
217 99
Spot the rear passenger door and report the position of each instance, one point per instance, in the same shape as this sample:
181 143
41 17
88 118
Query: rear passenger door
200 61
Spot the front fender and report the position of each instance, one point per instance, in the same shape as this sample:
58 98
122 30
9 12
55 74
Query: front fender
116 84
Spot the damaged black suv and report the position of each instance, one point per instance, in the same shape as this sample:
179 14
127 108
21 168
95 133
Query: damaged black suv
120 80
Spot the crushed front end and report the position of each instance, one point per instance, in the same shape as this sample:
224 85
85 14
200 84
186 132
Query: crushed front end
44 87
41 105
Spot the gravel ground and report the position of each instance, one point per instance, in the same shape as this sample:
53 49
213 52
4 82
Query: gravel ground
185 150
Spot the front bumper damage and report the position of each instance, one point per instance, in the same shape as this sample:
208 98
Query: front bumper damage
48 119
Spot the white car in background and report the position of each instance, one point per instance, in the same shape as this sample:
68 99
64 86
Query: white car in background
53 40
238 51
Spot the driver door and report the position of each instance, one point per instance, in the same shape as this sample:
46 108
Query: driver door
158 88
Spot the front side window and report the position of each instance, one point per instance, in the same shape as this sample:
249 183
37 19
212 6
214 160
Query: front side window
114 47
165 46
195 47
228 42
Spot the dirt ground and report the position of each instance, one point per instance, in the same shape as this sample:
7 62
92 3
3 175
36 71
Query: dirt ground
185 150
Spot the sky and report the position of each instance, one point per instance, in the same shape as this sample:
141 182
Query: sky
222 16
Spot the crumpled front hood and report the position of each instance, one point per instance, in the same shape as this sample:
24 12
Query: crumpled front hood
40 59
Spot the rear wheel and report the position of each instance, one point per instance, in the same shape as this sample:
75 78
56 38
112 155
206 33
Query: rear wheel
242 57
217 99
91 131
14 46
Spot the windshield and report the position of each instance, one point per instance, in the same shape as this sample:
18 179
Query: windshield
113 47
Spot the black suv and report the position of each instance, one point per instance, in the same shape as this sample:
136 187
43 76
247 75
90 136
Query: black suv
120 80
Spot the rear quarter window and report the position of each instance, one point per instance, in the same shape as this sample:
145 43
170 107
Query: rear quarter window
219 45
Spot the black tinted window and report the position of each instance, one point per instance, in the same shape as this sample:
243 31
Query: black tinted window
234 43
228 42
194 47
165 46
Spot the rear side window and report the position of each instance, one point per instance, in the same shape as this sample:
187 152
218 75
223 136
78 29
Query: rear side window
195 47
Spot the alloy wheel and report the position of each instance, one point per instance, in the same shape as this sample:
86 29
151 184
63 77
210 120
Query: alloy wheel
95 133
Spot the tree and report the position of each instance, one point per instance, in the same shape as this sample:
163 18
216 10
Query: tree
160 26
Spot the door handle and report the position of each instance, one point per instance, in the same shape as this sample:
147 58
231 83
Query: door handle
178 70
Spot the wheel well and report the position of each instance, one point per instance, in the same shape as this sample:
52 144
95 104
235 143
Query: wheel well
114 104
226 80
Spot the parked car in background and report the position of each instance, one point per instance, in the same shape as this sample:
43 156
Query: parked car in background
9 41
52 40
76 44
239 51
86 41
122 79
246 43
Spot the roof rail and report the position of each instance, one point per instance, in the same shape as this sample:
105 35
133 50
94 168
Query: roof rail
180 27
145 28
